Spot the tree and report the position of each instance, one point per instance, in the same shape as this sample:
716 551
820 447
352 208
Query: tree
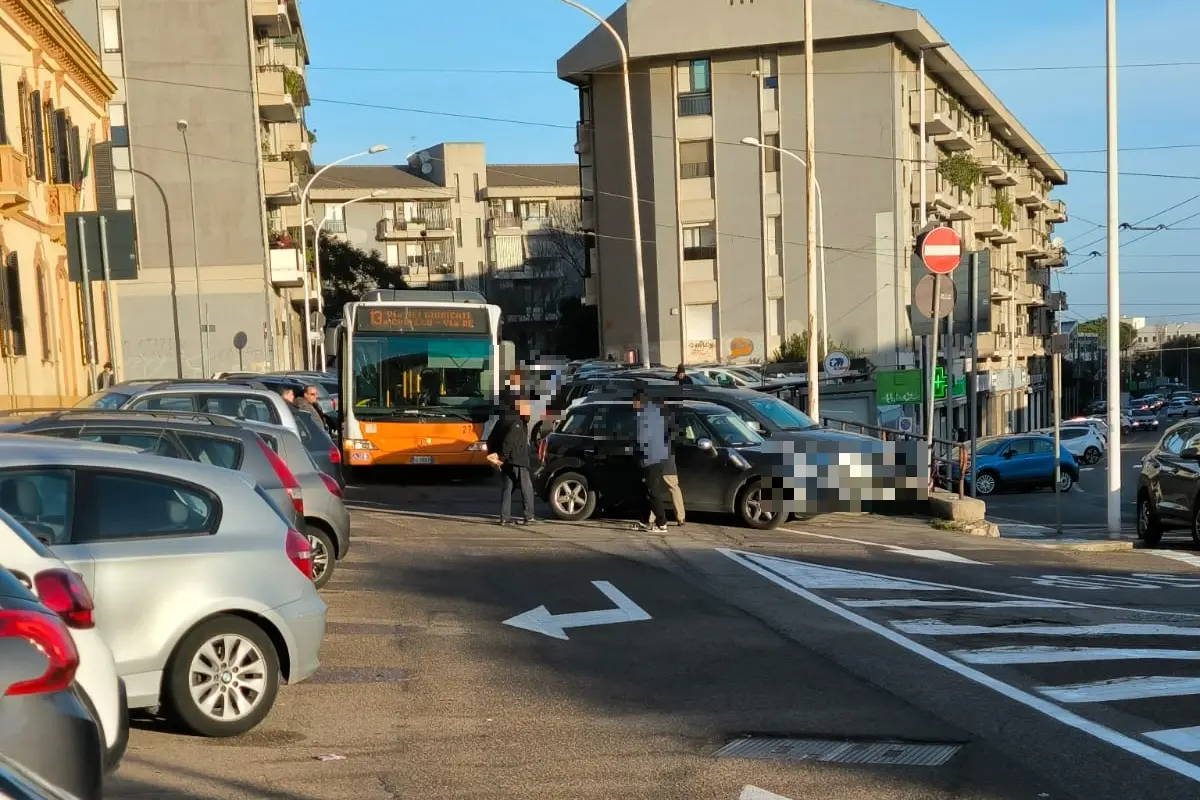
347 273
1099 326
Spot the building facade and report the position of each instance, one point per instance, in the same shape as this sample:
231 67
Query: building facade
447 219
53 101
723 222
209 150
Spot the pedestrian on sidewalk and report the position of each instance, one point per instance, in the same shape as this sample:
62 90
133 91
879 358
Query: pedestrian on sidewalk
106 378
508 452
655 450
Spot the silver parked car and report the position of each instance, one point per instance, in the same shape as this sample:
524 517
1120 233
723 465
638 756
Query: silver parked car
326 519
234 400
203 590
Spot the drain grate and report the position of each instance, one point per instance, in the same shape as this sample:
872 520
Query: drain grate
832 751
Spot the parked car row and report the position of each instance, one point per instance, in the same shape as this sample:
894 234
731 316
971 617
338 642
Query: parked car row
165 557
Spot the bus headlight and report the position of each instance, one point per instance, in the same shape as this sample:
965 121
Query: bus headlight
477 447
360 444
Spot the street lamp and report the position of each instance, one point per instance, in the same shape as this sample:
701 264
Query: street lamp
317 252
182 125
370 151
634 199
750 140
1114 289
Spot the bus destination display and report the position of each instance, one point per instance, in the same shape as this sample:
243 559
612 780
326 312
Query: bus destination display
421 320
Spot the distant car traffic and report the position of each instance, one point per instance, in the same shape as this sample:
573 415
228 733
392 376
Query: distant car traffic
1169 485
1181 406
1143 419
1022 461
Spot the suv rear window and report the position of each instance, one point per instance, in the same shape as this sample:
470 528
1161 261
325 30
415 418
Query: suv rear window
576 424
217 451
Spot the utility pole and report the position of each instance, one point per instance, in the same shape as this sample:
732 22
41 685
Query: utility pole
810 222
1114 286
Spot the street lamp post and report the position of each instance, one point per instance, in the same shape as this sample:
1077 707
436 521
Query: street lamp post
182 125
1114 289
634 197
750 140
370 151
319 227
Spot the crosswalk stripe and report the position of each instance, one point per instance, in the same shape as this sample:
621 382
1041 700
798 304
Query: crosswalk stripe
906 603
933 627
1037 654
1186 740
1123 689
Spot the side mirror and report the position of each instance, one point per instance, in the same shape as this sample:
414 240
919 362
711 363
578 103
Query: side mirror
707 446
1190 454
1008 454
754 425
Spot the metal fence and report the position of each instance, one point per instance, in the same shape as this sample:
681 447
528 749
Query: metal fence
943 456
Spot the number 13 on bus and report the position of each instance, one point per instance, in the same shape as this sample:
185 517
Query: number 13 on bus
419 373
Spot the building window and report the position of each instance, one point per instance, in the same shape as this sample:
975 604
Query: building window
60 135
774 235
771 156
774 317
458 231
476 181
43 297
110 30
585 105
14 314
695 91
701 322
37 132
457 188
696 159
393 255
700 242
335 218
26 133
478 232
414 255
535 209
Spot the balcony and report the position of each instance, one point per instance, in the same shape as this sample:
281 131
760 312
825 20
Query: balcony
274 102
939 113
282 51
1030 346
294 142
1032 243
995 345
280 179
587 214
1003 286
961 137
695 104
995 162
425 224
61 199
1058 301
990 224
1031 191
1055 257
285 267
939 194
271 17
1056 212
14 182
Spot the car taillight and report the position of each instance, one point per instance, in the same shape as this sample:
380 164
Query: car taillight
290 484
331 485
299 552
64 592
541 451
335 454
50 635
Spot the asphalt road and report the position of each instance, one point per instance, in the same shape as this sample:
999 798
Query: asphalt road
465 660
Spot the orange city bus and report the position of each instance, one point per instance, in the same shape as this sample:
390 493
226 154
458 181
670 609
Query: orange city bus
419 372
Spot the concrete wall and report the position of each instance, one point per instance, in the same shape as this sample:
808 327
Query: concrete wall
191 59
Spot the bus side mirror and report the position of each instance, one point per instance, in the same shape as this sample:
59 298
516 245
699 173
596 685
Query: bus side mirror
508 357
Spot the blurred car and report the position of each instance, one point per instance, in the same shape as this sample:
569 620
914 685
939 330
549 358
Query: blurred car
1169 485
1082 442
1180 407
203 588
44 725
18 783
205 438
1151 401
1143 419
574 390
1022 461
325 453
249 400
63 592
326 520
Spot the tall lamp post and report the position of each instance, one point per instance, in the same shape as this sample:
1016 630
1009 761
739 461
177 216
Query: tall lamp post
318 228
1114 289
182 125
634 197
370 151
750 140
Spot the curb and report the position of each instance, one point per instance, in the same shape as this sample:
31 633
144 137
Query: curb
1081 545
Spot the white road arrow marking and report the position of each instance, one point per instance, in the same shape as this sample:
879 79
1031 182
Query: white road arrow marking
755 793
540 620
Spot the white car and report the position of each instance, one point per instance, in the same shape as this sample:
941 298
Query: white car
1083 442
1097 424
1180 407
64 593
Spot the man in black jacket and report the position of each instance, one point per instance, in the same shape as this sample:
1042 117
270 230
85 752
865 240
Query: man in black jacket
508 451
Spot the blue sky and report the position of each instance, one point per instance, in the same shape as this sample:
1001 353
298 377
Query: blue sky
387 71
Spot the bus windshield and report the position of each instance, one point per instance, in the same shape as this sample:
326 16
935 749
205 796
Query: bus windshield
400 375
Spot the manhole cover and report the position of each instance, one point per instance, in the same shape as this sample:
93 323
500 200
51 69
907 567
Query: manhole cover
832 751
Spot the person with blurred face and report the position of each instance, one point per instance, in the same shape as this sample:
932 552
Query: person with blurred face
308 404
508 452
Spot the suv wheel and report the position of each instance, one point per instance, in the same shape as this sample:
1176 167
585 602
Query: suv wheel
1091 455
754 507
1149 528
223 677
571 498
986 483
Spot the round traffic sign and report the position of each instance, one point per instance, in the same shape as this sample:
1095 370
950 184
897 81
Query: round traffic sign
941 250
923 296
836 363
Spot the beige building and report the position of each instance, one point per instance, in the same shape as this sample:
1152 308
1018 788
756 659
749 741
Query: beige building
53 100
234 71
724 222
448 219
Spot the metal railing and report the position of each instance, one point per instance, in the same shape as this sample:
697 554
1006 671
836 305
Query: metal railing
944 455
695 104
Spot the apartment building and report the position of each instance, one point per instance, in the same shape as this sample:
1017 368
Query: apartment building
53 101
448 219
723 222
206 194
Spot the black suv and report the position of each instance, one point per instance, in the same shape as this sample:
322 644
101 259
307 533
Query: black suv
1169 484
591 461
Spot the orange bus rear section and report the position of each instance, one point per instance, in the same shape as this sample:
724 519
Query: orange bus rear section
419 443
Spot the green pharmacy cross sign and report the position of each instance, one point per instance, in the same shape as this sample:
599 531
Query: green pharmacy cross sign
958 389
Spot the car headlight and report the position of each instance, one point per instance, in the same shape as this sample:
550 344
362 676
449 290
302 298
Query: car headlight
737 460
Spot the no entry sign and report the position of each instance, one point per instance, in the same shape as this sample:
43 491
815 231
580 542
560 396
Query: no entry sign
941 250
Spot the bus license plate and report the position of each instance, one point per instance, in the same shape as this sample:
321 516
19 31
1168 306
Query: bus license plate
421 460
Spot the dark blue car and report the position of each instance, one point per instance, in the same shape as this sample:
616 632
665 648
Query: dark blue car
1020 461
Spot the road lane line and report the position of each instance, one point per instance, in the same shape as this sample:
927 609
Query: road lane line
934 627
1071 719
1039 654
932 555
1140 688
1186 740
905 603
